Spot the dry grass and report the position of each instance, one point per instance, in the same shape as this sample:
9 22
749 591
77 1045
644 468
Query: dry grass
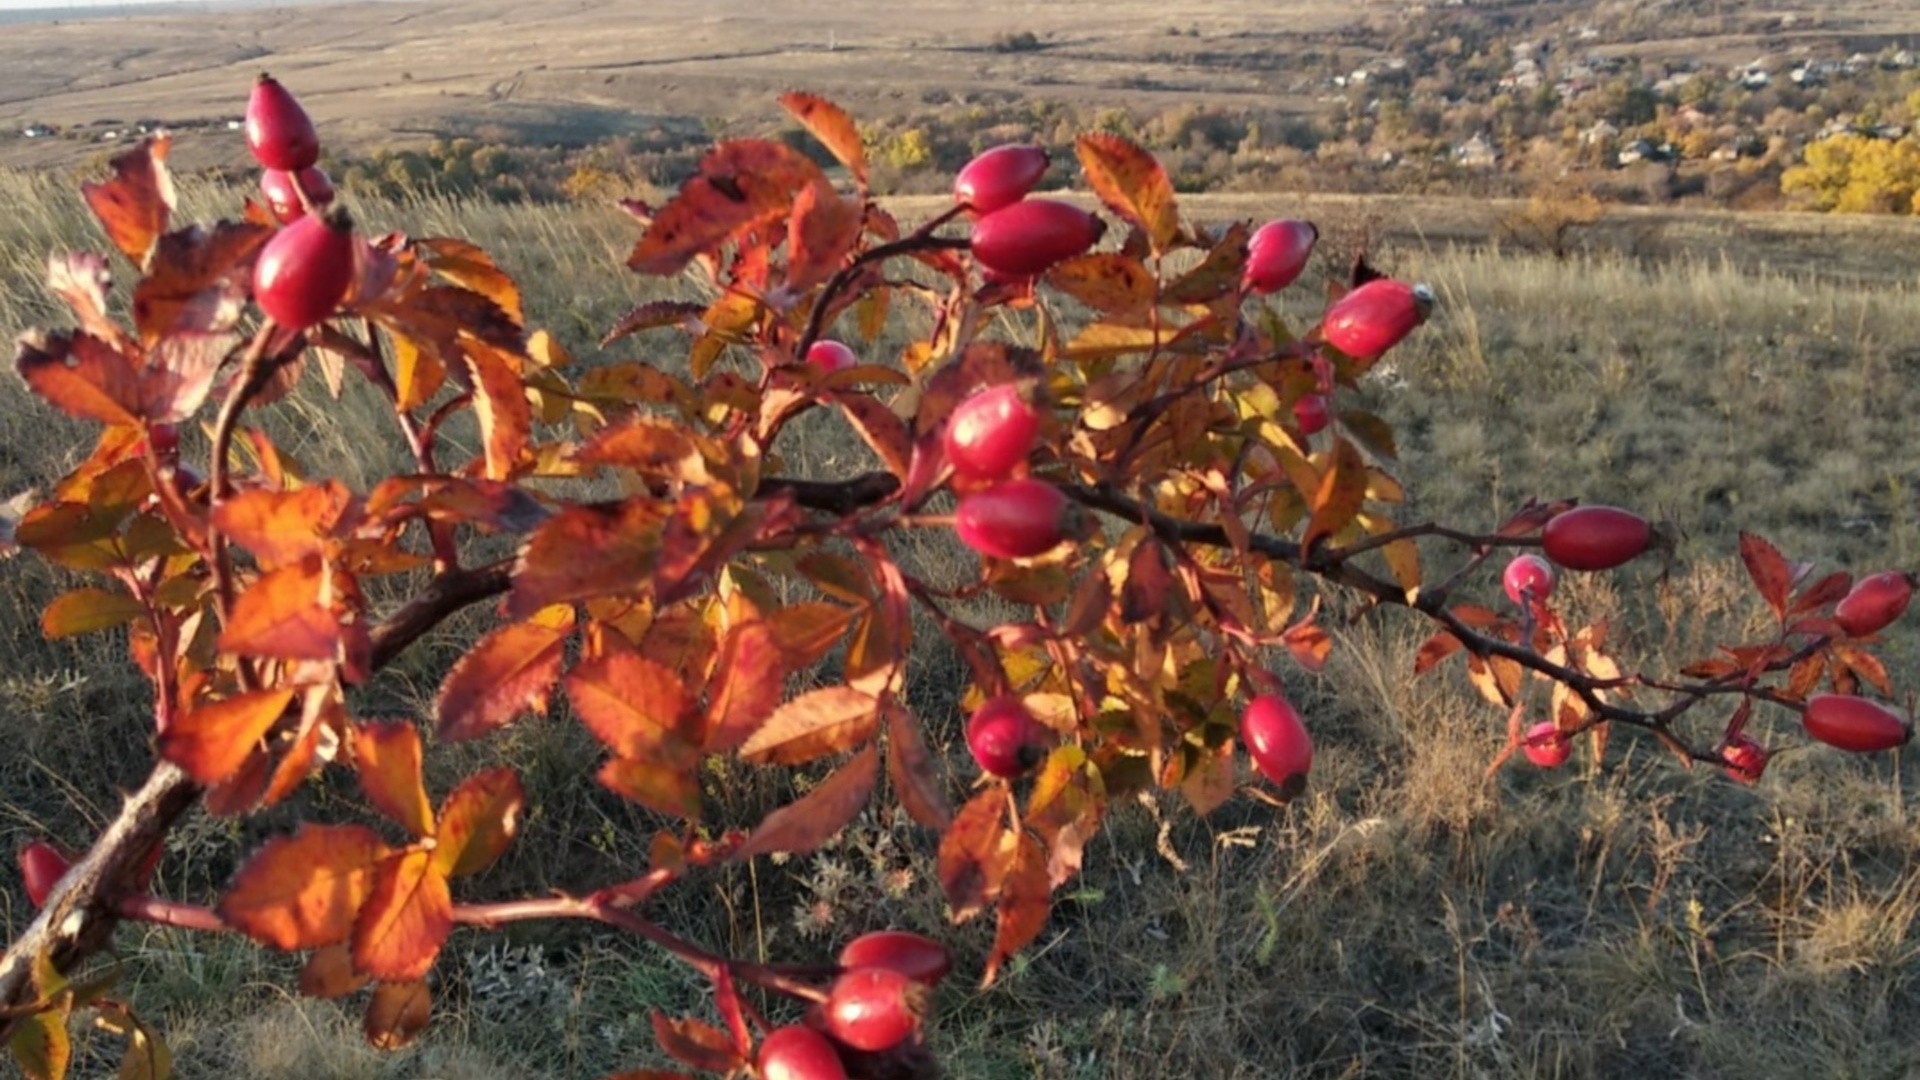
1405 919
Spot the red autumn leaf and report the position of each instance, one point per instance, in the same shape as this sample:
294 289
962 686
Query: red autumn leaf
739 183
1433 650
1066 806
82 376
397 1013
198 281
635 706
407 916
387 758
1821 593
652 315
134 206
478 821
282 527
822 233
910 767
976 853
803 825
833 127
1342 492
707 528
669 783
500 404
806 632
329 973
85 611
882 430
587 551
214 739
700 1045
1022 907
821 722
1771 575
747 685
1208 781
1132 184
509 672
304 611
304 891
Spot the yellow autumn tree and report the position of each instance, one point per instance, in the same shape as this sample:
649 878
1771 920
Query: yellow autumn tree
1858 174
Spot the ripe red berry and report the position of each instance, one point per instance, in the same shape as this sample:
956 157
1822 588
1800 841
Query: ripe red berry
1278 742
1313 413
1374 317
874 1008
1005 738
282 191
1545 746
279 131
992 432
1596 538
1874 603
165 441
795 1052
999 177
41 868
304 271
1528 580
1855 723
1017 519
1028 237
830 356
1745 759
921 959
1276 254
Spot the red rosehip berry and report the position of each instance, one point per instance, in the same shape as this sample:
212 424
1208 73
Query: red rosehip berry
1278 743
830 356
1375 317
1855 723
921 959
1026 238
1528 579
992 432
1313 413
304 271
1000 177
1276 254
1596 538
282 191
1018 519
795 1052
279 131
1874 603
1005 738
1744 758
1546 746
164 439
874 1008
41 868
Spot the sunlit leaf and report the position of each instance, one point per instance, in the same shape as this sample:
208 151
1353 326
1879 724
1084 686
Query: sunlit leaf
1340 495
976 853
304 891
821 722
405 919
86 611
500 404
509 672
211 740
747 684
632 704
387 758
738 183
587 551
1132 184
1022 906
833 127
282 527
478 822
134 206
823 232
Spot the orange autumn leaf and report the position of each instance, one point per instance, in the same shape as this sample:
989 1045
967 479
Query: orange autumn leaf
478 821
1022 907
387 757
815 724
282 527
213 739
407 916
397 1013
632 704
299 612
304 891
509 672
813 819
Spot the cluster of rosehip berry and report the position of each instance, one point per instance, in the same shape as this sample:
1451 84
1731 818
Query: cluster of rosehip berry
305 270
1595 538
874 1008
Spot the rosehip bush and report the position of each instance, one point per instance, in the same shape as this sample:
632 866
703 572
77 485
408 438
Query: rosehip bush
1169 539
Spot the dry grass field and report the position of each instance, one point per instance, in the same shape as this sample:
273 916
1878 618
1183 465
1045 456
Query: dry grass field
1617 919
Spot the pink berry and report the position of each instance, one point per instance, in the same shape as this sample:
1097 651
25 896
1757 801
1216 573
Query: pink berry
1546 747
1278 742
999 177
1026 238
992 432
1529 579
830 356
1375 317
1005 739
1276 254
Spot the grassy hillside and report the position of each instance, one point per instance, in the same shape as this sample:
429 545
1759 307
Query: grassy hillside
1404 919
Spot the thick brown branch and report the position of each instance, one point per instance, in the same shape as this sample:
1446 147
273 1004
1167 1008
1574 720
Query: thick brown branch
837 497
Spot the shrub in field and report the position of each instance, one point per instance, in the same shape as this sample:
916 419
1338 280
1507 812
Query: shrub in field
1140 485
